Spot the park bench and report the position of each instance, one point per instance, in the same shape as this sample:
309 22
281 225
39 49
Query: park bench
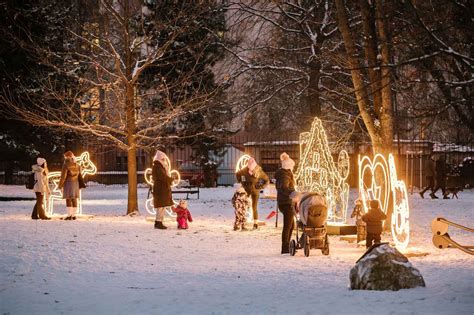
186 189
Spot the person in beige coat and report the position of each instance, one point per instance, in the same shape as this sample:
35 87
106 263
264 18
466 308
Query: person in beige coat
40 188
69 183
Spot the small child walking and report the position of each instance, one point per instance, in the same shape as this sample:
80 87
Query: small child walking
357 213
241 203
182 215
374 218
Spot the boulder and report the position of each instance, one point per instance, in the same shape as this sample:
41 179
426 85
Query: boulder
383 267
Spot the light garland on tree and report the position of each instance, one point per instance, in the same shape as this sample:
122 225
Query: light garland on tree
318 173
383 181
149 179
87 168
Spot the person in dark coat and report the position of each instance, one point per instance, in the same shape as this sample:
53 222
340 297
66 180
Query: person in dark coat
374 218
285 185
441 173
430 177
253 179
69 184
161 188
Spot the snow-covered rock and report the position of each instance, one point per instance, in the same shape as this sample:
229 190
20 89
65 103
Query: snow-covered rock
384 268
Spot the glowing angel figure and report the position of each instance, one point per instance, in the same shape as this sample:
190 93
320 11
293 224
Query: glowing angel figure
149 179
87 168
317 171
400 224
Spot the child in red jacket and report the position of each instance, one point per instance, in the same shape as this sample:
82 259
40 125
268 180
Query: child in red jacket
182 214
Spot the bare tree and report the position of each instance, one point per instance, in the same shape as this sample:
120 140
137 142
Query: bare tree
137 68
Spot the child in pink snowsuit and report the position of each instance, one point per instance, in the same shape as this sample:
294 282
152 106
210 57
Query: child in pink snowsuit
182 214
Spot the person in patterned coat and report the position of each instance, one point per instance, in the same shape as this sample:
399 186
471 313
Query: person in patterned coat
241 203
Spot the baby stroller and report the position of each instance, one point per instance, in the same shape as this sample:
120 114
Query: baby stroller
313 214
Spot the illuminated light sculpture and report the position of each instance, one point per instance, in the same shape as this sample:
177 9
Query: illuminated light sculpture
317 171
149 179
377 180
241 163
400 224
87 168
372 186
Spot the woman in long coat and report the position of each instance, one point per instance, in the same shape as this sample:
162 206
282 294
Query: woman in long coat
253 179
285 185
69 183
41 188
161 188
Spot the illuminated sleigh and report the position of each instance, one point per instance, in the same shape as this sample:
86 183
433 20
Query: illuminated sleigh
87 168
317 172
149 179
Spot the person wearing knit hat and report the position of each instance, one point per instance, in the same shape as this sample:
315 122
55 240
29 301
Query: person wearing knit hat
253 179
162 181
69 184
41 187
285 185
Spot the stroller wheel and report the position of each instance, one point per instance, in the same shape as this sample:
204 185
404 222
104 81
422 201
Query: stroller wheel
292 247
325 249
306 249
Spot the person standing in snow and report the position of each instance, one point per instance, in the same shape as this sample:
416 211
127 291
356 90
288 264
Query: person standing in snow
285 185
430 178
161 188
40 188
373 218
241 203
182 215
69 184
253 179
441 173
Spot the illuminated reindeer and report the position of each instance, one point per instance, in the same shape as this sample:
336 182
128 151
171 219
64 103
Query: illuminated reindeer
318 173
87 168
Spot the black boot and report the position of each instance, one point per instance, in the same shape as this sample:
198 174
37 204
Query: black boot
433 196
159 225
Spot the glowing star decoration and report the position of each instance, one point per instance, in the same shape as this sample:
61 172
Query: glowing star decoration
400 224
377 180
87 168
149 179
317 171
241 163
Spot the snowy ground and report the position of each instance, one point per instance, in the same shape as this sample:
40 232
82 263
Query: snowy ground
111 264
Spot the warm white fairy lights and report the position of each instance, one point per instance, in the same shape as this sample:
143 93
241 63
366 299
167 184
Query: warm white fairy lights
318 173
87 168
377 180
149 179
401 212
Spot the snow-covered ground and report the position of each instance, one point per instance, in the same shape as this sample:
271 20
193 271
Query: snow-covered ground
113 264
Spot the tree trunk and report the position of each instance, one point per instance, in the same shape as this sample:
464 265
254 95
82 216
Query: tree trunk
132 205
386 114
313 101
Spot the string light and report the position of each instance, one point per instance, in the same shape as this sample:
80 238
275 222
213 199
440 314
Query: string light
149 179
400 224
87 168
317 171
383 181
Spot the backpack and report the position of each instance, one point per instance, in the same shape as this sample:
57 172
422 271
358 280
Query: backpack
30 183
